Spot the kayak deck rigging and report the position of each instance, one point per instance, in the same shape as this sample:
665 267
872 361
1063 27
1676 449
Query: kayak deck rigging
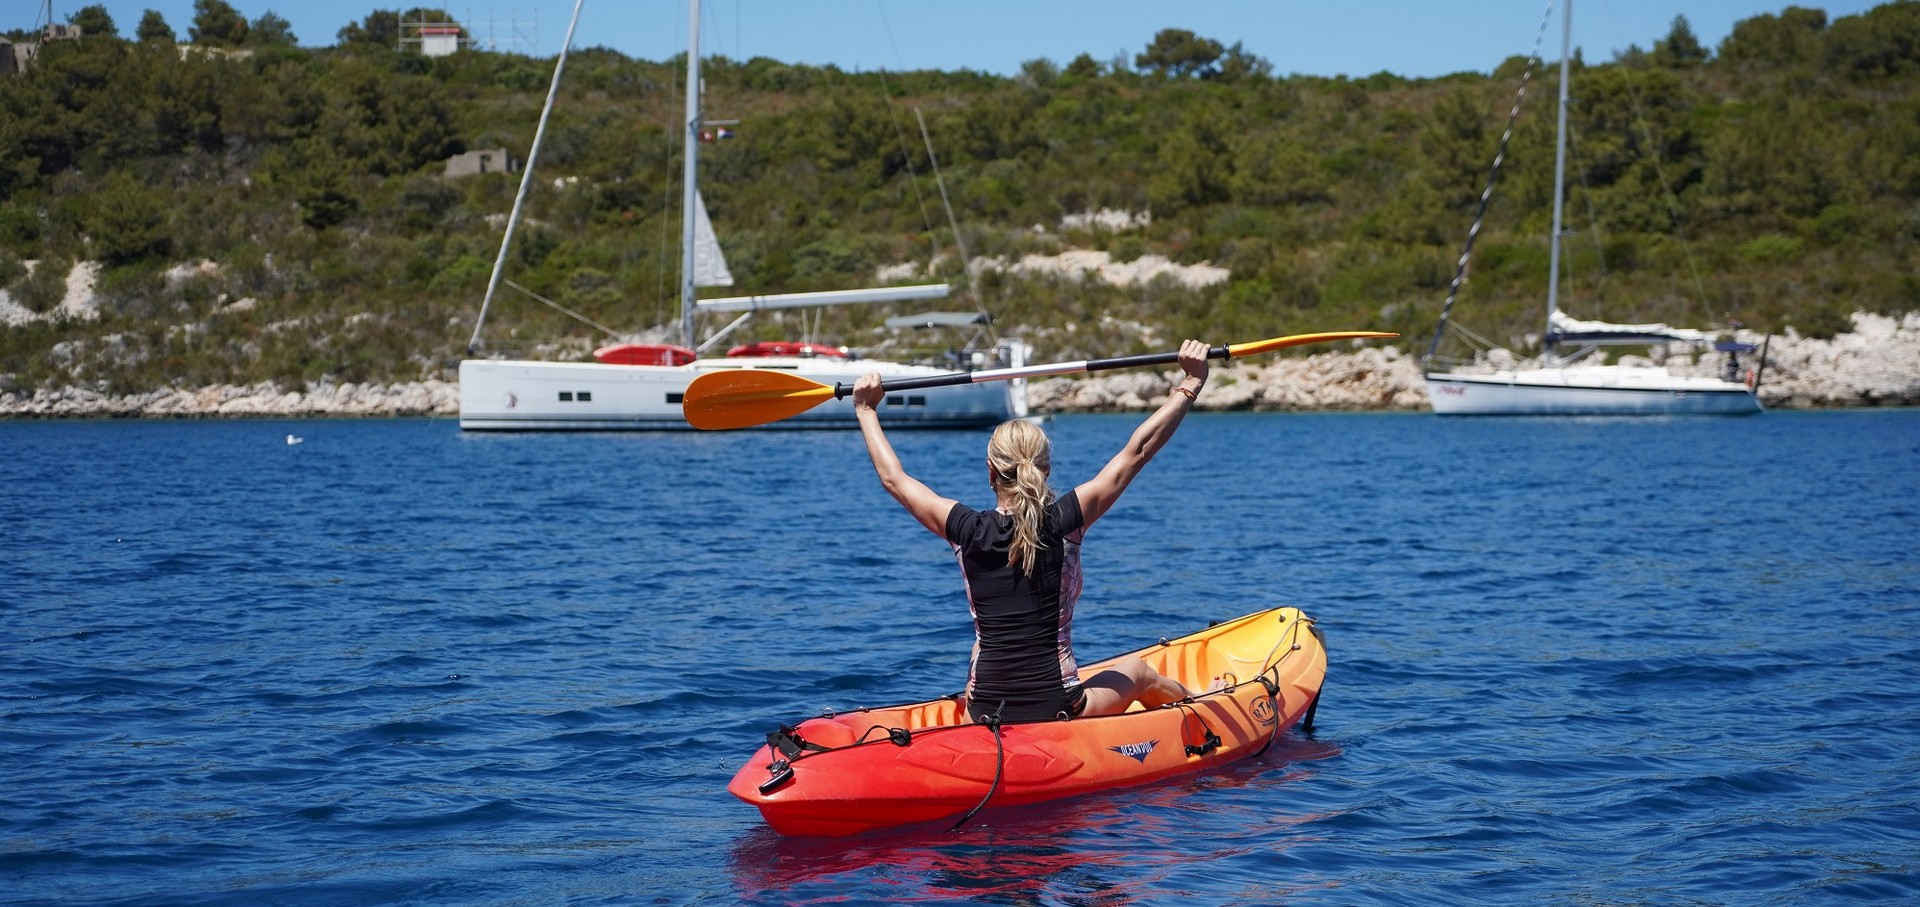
847 772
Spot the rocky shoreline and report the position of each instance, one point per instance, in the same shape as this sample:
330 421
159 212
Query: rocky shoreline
255 401
1878 364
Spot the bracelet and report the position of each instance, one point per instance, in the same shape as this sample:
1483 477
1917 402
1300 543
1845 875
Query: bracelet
1192 395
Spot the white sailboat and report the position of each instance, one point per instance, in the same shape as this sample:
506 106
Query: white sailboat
639 386
1563 382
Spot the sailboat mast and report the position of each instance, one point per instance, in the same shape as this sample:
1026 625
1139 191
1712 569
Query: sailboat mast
688 184
526 181
1559 164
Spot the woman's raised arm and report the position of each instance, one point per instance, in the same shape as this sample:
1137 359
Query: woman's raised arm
1099 493
926 506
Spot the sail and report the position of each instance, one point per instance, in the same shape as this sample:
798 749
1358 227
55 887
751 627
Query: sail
709 263
1564 329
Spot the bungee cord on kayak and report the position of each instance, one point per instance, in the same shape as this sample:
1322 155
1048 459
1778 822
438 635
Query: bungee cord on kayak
992 723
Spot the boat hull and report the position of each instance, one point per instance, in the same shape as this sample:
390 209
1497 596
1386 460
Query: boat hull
1590 391
523 395
918 762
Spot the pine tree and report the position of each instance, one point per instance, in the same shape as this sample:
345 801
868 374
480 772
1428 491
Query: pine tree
94 22
154 28
217 24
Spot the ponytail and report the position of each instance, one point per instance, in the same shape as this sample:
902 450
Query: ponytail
1021 458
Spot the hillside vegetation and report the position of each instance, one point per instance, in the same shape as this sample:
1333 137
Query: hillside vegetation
1774 180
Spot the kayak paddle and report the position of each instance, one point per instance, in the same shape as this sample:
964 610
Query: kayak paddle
743 398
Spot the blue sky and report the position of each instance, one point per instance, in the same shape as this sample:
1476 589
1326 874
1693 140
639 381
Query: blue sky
1344 37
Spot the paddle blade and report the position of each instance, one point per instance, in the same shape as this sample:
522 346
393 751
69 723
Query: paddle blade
1236 350
743 398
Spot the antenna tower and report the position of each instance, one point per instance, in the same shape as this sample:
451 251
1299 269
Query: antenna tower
511 35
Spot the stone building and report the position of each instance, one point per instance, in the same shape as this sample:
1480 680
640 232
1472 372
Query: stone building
485 160
16 58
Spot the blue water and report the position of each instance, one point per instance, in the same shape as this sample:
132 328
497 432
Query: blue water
1573 661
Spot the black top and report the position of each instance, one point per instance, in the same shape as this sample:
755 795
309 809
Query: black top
1023 664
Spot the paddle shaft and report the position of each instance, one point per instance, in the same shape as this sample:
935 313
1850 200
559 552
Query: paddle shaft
743 398
841 389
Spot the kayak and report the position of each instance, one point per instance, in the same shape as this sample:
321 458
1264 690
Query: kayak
845 773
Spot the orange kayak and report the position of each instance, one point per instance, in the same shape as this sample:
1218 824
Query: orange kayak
841 774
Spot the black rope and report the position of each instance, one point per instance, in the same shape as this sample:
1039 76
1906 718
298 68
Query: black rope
1210 742
898 735
1272 686
787 745
788 742
999 765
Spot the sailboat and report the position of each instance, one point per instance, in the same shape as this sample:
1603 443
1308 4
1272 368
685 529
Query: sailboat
1563 382
639 386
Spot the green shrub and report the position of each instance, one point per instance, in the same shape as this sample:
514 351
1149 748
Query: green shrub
326 200
45 288
19 225
520 77
1773 248
466 274
1822 320
1128 248
128 221
425 203
836 258
130 287
1843 225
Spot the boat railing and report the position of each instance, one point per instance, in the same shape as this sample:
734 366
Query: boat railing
1475 364
557 352
951 358
1554 356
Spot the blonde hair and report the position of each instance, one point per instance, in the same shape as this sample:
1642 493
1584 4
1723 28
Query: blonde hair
1020 457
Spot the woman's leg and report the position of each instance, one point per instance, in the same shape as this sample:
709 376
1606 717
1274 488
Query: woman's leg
1111 691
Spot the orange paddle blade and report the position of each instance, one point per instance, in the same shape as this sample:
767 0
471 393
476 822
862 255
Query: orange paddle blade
743 398
1236 350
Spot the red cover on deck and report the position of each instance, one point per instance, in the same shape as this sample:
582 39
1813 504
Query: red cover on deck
644 354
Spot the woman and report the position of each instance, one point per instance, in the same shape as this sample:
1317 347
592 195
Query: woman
1021 560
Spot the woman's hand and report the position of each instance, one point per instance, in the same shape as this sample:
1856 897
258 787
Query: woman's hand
1193 360
867 392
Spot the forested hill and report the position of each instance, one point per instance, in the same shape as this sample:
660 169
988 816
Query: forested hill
1773 180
